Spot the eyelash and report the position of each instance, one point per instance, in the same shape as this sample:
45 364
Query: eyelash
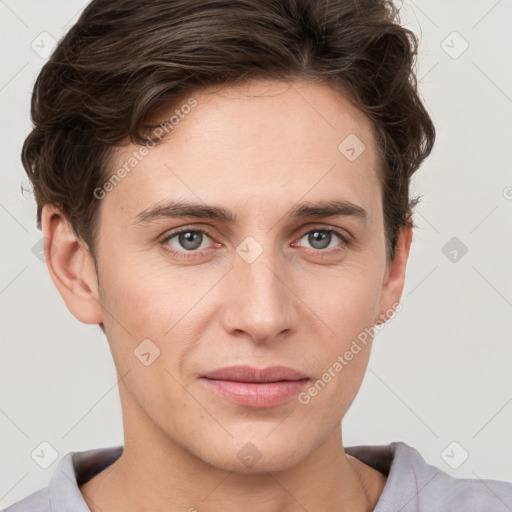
345 241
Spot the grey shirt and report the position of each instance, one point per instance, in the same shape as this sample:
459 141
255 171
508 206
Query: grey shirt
412 484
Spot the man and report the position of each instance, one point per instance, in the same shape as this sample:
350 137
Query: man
224 189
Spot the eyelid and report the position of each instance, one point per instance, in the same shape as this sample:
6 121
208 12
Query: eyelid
342 233
171 234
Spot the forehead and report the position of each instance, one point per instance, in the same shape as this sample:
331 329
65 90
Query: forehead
254 144
263 117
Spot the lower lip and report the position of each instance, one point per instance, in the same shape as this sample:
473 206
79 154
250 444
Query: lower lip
256 394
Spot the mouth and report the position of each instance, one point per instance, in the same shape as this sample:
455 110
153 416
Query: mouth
253 387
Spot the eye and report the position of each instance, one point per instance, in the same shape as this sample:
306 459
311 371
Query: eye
321 239
186 240
190 242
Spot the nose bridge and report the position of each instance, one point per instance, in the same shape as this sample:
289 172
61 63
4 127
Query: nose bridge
261 304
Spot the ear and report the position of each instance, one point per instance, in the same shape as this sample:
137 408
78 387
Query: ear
395 276
71 267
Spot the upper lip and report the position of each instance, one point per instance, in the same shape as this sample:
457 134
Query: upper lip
245 373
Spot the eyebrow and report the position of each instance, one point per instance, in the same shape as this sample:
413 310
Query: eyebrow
177 209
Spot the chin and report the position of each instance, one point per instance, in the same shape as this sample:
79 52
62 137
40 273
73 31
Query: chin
260 455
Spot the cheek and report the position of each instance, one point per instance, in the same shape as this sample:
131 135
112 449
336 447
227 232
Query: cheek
349 311
348 306
130 316
150 300
142 313
346 301
144 301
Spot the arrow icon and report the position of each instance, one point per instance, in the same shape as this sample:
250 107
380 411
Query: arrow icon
454 249
146 352
351 147
249 455
454 455
44 455
454 45
249 249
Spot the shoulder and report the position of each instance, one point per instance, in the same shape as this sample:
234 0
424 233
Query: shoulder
38 501
415 486
468 495
445 492
63 492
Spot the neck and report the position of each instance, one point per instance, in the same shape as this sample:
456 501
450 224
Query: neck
154 473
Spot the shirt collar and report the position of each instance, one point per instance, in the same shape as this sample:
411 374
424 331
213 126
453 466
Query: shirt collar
408 474
396 460
73 470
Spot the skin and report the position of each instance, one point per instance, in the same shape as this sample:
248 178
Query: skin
296 305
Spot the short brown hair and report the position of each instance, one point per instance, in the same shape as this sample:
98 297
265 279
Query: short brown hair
125 59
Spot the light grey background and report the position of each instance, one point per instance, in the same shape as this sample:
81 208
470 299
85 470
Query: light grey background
440 371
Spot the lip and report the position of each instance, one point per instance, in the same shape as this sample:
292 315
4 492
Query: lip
254 387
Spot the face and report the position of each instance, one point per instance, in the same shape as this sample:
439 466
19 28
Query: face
279 260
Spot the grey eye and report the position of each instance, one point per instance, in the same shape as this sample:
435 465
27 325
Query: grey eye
321 238
188 240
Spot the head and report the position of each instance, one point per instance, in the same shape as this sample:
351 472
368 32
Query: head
280 139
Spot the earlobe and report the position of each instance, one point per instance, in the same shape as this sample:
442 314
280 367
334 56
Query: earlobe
395 276
71 267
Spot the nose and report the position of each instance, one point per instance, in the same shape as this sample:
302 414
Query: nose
260 300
